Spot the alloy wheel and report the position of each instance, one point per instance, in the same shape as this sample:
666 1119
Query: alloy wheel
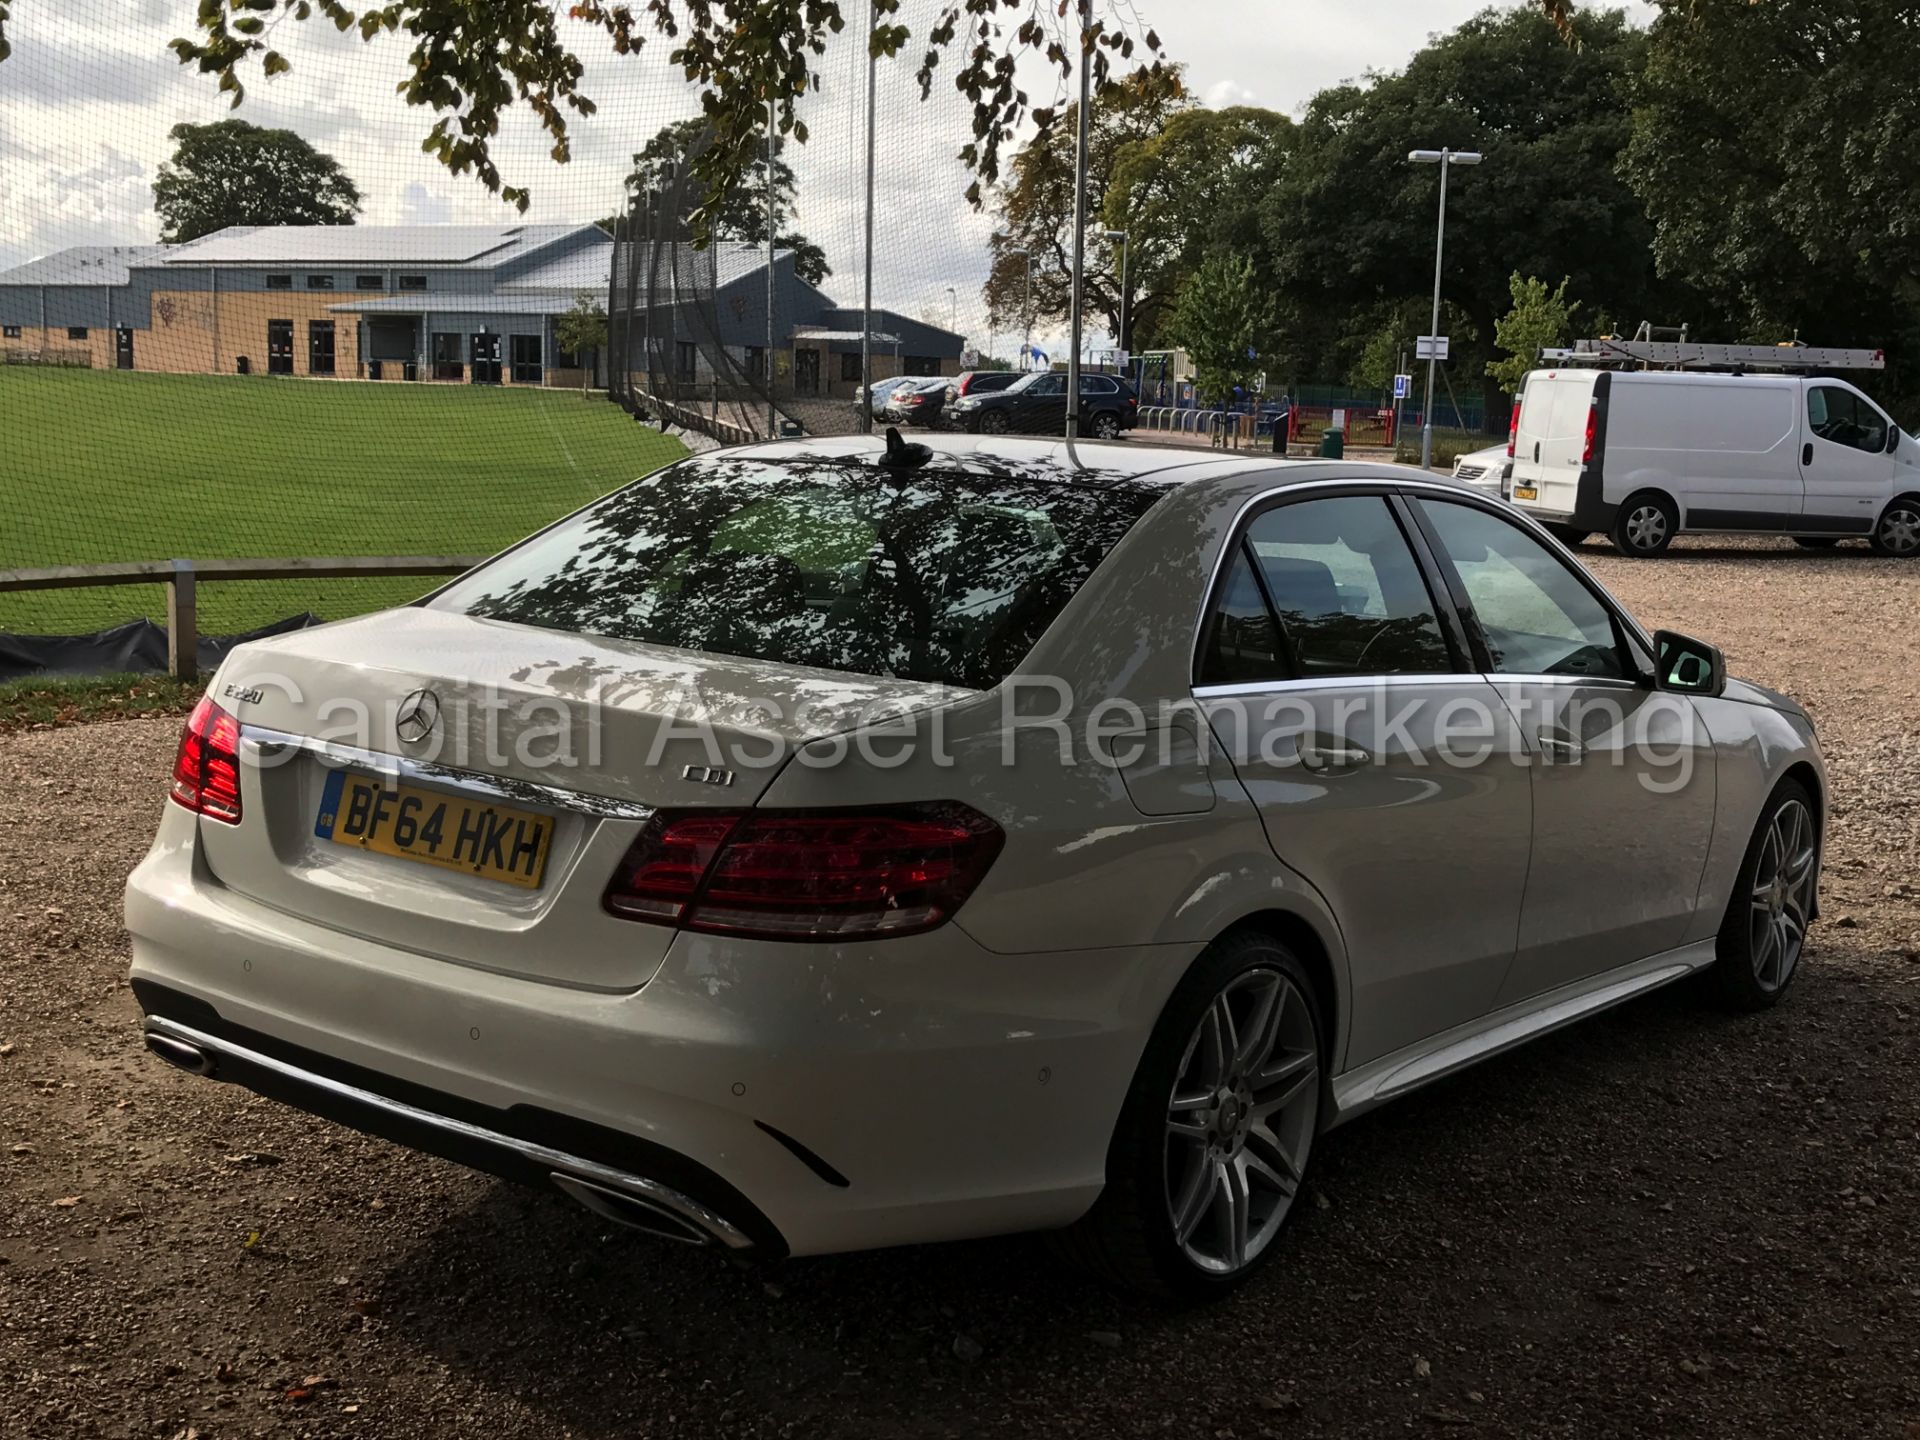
1240 1121
1647 527
1782 895
1900 530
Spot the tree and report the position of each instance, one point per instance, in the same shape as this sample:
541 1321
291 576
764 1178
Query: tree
1540 317
1036 208
471 61
1350 223
1220 322
1189 187
660 181
581 332
233 173
1773 147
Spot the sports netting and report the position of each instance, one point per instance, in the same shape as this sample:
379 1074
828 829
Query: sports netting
408 384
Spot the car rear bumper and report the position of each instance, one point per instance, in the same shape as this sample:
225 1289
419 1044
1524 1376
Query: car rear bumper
773 1098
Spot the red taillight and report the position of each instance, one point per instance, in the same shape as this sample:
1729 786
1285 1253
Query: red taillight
1513 427
1593 430
206 771
805 874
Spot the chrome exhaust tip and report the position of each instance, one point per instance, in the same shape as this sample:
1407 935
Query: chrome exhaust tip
181 1053
630 1210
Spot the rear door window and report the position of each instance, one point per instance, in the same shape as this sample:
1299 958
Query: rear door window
929 576
1343 596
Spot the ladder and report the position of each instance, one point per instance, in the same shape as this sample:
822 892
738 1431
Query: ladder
1693 355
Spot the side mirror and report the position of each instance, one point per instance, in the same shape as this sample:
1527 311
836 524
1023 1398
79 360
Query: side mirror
1688 666
1893 438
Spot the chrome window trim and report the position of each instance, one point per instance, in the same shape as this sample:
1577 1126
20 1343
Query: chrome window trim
1391 485
430 772
1330 682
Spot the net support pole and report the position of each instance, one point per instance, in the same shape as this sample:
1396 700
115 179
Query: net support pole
866 299
1079 220
773 420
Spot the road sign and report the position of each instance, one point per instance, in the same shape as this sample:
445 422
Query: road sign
1430 347
1402 386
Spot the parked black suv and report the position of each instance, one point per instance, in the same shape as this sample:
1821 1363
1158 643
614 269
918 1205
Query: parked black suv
1036 404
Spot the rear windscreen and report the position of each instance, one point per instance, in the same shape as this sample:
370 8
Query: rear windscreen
924 575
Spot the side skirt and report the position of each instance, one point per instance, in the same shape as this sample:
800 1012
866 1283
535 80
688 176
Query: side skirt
1393 1075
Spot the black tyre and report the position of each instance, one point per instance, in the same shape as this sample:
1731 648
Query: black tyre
1568 534
1765 930
1898 533
1105 425
1213 1142
1816 542
993 422
1645 525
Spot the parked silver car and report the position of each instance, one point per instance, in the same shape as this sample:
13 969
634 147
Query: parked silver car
839 843
1489 471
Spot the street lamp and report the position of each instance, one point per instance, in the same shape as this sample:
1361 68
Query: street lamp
1120 340
1446 160
1026 305
953 310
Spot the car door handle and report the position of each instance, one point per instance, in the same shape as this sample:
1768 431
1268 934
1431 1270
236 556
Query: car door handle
1559 745
1806 453
1322 758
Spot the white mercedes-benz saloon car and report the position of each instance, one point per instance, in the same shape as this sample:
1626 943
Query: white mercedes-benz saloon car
834 844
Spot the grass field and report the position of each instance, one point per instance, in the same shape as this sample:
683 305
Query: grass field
101 466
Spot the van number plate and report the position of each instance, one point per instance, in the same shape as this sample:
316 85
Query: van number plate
1526 492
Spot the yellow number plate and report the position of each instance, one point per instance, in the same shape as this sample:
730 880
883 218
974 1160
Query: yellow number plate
1526 492
492 841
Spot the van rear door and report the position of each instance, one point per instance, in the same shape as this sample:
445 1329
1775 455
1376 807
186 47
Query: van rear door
1550 442
1844 459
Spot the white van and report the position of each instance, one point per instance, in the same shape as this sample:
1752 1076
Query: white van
1642 456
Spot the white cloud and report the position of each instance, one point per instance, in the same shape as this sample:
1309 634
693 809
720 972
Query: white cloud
1223 93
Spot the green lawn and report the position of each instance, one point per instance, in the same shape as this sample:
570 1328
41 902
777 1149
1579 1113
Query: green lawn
101 466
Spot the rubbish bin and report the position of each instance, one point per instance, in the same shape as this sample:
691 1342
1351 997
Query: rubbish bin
1333 445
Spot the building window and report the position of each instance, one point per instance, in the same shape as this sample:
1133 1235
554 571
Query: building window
564 359
806 372
369 282
320 347
756 362
13 332
685 358
921 365
850 366
279 282
447 364
413 282
319 282
76 332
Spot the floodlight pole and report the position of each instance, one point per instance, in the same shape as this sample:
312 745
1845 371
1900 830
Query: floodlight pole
1120 340
1446 160
866 303
1079 219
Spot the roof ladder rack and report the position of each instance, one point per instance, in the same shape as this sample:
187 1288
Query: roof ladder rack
1693 355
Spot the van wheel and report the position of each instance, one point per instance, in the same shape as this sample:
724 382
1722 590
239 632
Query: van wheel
1898 533
1645 525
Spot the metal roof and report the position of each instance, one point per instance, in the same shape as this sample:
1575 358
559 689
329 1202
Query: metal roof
479 247
445 302
83 265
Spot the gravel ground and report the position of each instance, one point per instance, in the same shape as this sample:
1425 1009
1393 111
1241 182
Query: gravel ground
1663 1221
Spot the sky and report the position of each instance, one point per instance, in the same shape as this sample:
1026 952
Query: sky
91 90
